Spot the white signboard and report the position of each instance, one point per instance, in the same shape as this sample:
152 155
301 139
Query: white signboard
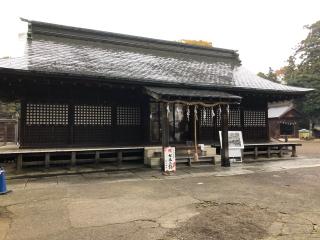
235 144
169 159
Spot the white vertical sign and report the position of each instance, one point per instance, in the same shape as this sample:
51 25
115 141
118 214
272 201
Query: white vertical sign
169 159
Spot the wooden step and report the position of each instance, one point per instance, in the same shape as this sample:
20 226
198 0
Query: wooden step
189 160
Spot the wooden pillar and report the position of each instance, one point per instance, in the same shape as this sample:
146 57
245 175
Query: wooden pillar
47 160
71 117
97 157
5 133
119 158
16 132
294 151
196 156
269 151
22 122
255 152
280 151
225 161
267 123
164 125
19 162
73 158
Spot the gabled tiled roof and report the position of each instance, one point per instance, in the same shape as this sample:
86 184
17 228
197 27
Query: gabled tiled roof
276 112
53 54
61 49
248 80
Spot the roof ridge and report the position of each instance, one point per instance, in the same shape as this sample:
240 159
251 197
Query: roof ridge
38 27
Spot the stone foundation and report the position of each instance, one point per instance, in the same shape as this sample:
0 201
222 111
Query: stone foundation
152 155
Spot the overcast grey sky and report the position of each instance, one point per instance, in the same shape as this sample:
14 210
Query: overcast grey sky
263 31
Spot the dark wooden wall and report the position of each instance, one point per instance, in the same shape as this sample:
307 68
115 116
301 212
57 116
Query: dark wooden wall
83 116
70 100
53 116
8 131
250 117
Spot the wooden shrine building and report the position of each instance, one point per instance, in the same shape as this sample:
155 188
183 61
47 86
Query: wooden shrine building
283 120
86 88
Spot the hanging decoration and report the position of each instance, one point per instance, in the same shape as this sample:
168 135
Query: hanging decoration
150 115
228 109
198 103
195 112
219 110
168 110
188 113
212 112
204 112
288 123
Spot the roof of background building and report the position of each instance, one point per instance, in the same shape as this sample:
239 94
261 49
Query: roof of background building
62 49
279 111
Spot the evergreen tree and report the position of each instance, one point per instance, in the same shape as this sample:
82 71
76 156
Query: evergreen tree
271 75
303 70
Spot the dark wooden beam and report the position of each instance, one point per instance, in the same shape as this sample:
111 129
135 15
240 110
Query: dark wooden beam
225 161
164 125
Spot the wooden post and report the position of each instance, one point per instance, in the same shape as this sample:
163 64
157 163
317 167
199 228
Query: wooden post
73 158
71 110
255 152
280 151
164 129
294 151
196 156
47 160
97 157
225 161
5 133
16 132
119 158
269 152
164 125
19 162
267 123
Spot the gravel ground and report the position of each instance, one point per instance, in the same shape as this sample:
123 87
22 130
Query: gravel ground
270 200
309 148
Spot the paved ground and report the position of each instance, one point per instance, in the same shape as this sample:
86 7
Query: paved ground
271 200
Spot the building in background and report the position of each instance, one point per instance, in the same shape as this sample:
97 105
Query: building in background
283 120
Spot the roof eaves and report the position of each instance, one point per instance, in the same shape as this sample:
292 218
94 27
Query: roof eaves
152 82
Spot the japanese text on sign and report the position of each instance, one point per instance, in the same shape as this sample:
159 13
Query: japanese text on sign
169 159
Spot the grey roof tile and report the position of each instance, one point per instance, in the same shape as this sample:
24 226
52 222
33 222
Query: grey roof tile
275 112
246 79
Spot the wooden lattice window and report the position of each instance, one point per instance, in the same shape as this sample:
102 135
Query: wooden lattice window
128 115
206 118
254 119
47 114
92 115
234 118
218 117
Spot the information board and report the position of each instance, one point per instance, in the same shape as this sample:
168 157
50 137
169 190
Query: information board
235 144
